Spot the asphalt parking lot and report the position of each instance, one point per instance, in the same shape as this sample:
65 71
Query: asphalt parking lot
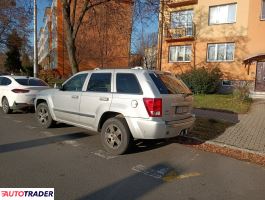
71 160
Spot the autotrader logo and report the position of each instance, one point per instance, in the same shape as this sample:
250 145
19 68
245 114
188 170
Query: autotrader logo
26 193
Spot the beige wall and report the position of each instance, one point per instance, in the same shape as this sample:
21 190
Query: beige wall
248 34
256 29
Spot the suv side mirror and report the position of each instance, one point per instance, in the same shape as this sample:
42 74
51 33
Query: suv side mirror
58 86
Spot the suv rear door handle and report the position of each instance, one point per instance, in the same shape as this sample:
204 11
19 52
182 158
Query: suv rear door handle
103 98
75 97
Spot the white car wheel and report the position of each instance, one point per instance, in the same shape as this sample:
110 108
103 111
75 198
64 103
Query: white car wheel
5 106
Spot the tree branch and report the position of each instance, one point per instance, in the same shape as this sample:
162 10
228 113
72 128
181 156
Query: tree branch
74 12
86 6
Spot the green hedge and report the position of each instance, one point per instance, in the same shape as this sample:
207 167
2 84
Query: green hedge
202 80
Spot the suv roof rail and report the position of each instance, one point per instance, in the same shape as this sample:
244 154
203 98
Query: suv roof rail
137 67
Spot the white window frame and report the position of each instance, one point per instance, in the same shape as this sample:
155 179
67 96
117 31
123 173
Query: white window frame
262 14
224 85
223 5
216 52
185 49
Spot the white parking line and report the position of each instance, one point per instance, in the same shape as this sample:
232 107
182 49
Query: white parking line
6 117
47 133
155 173
31 127
17 121
103 154
164 173
71 142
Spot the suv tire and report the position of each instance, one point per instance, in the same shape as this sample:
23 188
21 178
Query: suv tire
116 136
44 116
5 106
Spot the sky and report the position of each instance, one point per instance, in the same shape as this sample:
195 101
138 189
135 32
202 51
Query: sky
42 4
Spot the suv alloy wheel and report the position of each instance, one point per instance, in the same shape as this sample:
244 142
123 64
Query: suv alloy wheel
43 116
116 136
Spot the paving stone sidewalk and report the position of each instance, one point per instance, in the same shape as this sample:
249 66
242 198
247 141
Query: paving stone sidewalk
249 132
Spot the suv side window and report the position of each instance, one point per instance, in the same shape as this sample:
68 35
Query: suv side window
100 82
75 83
1 78
127 83
6 81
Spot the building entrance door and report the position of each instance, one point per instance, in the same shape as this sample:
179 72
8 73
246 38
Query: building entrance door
260 77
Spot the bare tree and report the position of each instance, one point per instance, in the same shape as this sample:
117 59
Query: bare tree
145 15
15 14
74 12
146 50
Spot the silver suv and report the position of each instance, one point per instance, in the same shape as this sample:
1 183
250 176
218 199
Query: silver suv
121 104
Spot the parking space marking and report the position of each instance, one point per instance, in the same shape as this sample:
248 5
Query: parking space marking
6 117
31 127
171 176
164 173
155 173
71 142
17 121
47 133
103 154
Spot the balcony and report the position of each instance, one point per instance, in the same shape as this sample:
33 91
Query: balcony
186 33
178 3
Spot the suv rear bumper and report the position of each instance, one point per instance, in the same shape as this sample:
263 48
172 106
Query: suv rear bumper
147 129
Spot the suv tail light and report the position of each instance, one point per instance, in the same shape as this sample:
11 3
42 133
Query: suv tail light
20 91
153 106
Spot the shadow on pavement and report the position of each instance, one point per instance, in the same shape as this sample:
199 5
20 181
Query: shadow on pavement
147 145
223 115
136 186
4 148
207 129
204 129
61 125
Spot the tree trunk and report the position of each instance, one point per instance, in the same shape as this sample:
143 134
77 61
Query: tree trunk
70 39
71 49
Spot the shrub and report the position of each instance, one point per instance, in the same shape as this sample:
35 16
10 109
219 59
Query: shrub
50 76
202 80
241 91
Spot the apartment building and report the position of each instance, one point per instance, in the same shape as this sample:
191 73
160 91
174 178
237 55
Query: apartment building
103 40
229 34
45 39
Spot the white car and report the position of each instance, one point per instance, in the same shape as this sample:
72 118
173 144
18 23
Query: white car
17 92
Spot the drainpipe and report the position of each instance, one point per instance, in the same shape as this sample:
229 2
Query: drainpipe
35 69
131 30
160 37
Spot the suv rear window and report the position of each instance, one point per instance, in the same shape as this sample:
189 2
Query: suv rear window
168 84
127 83
30 82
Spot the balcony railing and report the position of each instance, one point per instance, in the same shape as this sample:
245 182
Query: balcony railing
177 3
180 33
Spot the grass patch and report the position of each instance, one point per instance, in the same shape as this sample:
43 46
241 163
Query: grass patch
222 102
207 129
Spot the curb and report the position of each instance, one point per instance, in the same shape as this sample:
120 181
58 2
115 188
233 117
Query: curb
231 151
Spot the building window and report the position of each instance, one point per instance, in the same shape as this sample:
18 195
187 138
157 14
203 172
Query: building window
182 19
227 83
180 53
224 14
263 10
221 52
